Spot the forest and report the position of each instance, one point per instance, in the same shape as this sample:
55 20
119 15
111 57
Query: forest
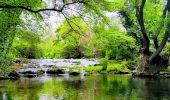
54 49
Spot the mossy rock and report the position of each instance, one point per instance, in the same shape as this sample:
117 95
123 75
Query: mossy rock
40 72
29 72
55 71
75 73
14 75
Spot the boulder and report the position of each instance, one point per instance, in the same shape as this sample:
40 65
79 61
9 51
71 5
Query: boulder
55 71
74 72
31 73
14 75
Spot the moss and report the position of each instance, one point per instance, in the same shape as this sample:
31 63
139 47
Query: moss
16 67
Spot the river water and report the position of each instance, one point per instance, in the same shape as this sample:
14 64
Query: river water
101 87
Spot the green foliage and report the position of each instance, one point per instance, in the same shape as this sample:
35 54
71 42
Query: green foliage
118 66
115 42
25 45
104 62
71 41
11 25
93 69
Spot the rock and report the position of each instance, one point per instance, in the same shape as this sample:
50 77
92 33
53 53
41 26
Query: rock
3 78
164 73
14 75
40 72
123 72
31 73
75 72
58 71
55 71
97 65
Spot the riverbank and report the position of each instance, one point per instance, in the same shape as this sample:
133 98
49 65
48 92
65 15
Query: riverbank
35 67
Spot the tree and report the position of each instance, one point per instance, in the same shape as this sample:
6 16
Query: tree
138 16
67 8
139 23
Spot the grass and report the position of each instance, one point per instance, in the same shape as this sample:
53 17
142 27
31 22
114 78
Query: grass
118 66
92 69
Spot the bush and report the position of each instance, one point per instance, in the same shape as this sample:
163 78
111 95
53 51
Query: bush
116 43
104 62
28 51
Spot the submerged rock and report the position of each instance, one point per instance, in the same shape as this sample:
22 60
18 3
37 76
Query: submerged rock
74 72
30 75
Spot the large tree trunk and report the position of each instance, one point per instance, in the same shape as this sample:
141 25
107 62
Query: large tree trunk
152 63
145 68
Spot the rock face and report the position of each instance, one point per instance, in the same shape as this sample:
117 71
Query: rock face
14 75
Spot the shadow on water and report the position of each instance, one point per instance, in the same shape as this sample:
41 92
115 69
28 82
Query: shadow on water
104 87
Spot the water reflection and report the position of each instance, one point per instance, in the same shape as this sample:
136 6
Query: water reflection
112 87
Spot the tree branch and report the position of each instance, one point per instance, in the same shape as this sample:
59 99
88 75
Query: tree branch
155 37
67 19
40 10
28 9
139 15
166 36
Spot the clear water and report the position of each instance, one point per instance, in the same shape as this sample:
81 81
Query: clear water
111 87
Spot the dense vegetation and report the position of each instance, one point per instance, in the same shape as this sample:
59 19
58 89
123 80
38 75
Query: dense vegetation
78 36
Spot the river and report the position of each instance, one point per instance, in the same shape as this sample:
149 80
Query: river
101 87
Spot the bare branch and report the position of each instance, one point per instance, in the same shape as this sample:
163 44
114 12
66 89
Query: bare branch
68 21
30 10
40 10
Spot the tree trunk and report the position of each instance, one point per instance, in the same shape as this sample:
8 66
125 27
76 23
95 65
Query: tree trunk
152 63
145 68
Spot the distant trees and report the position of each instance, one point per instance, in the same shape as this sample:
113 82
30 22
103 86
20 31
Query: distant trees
144 20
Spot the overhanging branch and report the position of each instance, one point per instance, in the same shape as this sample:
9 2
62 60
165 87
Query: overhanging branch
41 10
28 9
